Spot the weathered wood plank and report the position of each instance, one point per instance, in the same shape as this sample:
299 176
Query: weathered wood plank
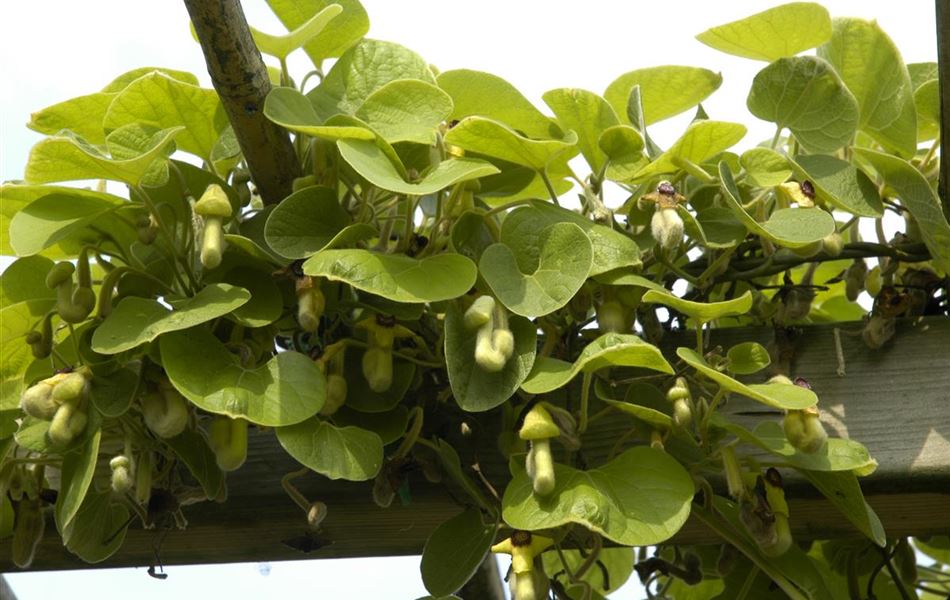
895 400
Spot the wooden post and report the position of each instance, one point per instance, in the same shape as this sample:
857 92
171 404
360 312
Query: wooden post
943 71
240 78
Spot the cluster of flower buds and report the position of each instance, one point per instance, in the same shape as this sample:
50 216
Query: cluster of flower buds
494 343
61 400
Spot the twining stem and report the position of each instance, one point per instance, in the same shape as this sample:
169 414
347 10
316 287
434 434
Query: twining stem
412 435
585 402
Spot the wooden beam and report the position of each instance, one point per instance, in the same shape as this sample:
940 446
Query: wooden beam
895 400
240 78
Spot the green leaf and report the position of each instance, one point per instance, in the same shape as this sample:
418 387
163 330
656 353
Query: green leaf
98 530
370 161
806 95
839 183
112 395
474 388
347 453
747 358
475 93
286 390
664 91
919 198
608 350
82 115
77 471
362 70
623 147
614 567
588 115
305 222
129 141
495 139
764 167
266 304
704 312
25 279
843 490
16 320
523 227
292 110
927 102
838 454
46 220
406 110
396 276
646 414
348 27
389 426
789 227
70 158
776 395
192 449
775 33
122 81
701 141
871 66
564 262
922 72
281 46
454 551
361 397
135 320
719 227
163 102
640 498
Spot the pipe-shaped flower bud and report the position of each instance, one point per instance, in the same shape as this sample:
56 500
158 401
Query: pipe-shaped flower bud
310 303
27 532
213 207
60 278
121 474
538 428
165 410
228 439
524 547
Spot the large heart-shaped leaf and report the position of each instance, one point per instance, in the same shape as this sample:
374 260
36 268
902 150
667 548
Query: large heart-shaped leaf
776 395
608 350
389 425
362 70
564 261
347 453
703 312
77 471
282 45
840 184
664 91
53 216
790 227
623 147
113 394
919 198
395 276
286 390
16 320
701 141
495 139
305 222
135 320
266 304
370 161
586 114
842 489
163 102
406 110
871 66
775 33
292 110
523 227
348 27
614 567
25 279
98 529
454 551
747 358
716 226
475 93
640 498
474 388
66 157
805 94
764 167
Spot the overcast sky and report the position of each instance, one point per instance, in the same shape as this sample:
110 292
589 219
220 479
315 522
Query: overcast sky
53 50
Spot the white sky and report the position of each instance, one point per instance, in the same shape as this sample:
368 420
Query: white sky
53 50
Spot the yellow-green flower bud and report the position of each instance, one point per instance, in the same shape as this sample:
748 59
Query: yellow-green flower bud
37 401
228 440
833 244
28 532
336 394
480 312
378 368
667 228
121 474
214 207
538 428
804 430
165 411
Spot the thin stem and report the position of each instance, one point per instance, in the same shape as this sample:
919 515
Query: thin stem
747 584
776 138
585 401
411 435
549 185
898 582
699 337
170 240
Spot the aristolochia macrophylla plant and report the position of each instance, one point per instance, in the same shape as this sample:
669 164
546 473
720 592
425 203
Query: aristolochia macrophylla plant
431 265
